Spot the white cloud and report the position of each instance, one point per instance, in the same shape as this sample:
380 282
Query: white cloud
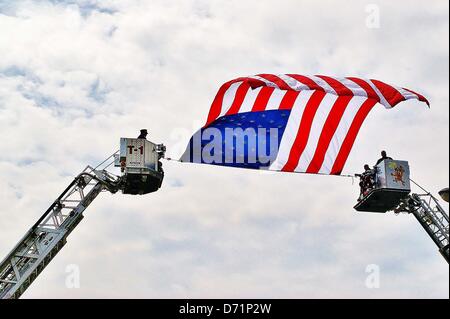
77 75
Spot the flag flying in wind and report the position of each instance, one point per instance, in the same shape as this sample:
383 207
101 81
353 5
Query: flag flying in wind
290 122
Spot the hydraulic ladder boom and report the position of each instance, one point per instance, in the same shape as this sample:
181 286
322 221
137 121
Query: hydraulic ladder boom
388 188
141 173
433 218
46 238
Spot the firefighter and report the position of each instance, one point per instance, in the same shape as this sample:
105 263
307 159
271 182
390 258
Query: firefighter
367 181
143 134
383 157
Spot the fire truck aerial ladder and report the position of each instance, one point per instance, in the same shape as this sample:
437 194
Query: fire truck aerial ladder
141 173
391 191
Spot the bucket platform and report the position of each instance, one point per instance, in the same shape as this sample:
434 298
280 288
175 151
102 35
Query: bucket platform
139 161
392 185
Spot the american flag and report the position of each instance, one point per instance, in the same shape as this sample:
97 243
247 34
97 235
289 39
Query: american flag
309 123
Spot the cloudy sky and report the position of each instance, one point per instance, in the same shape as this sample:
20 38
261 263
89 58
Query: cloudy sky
75 76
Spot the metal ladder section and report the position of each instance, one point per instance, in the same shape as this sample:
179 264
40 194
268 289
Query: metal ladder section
46 238
433 219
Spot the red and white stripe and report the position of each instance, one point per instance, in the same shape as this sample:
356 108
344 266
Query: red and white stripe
327 114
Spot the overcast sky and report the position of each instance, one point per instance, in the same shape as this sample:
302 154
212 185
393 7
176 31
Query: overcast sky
75 76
